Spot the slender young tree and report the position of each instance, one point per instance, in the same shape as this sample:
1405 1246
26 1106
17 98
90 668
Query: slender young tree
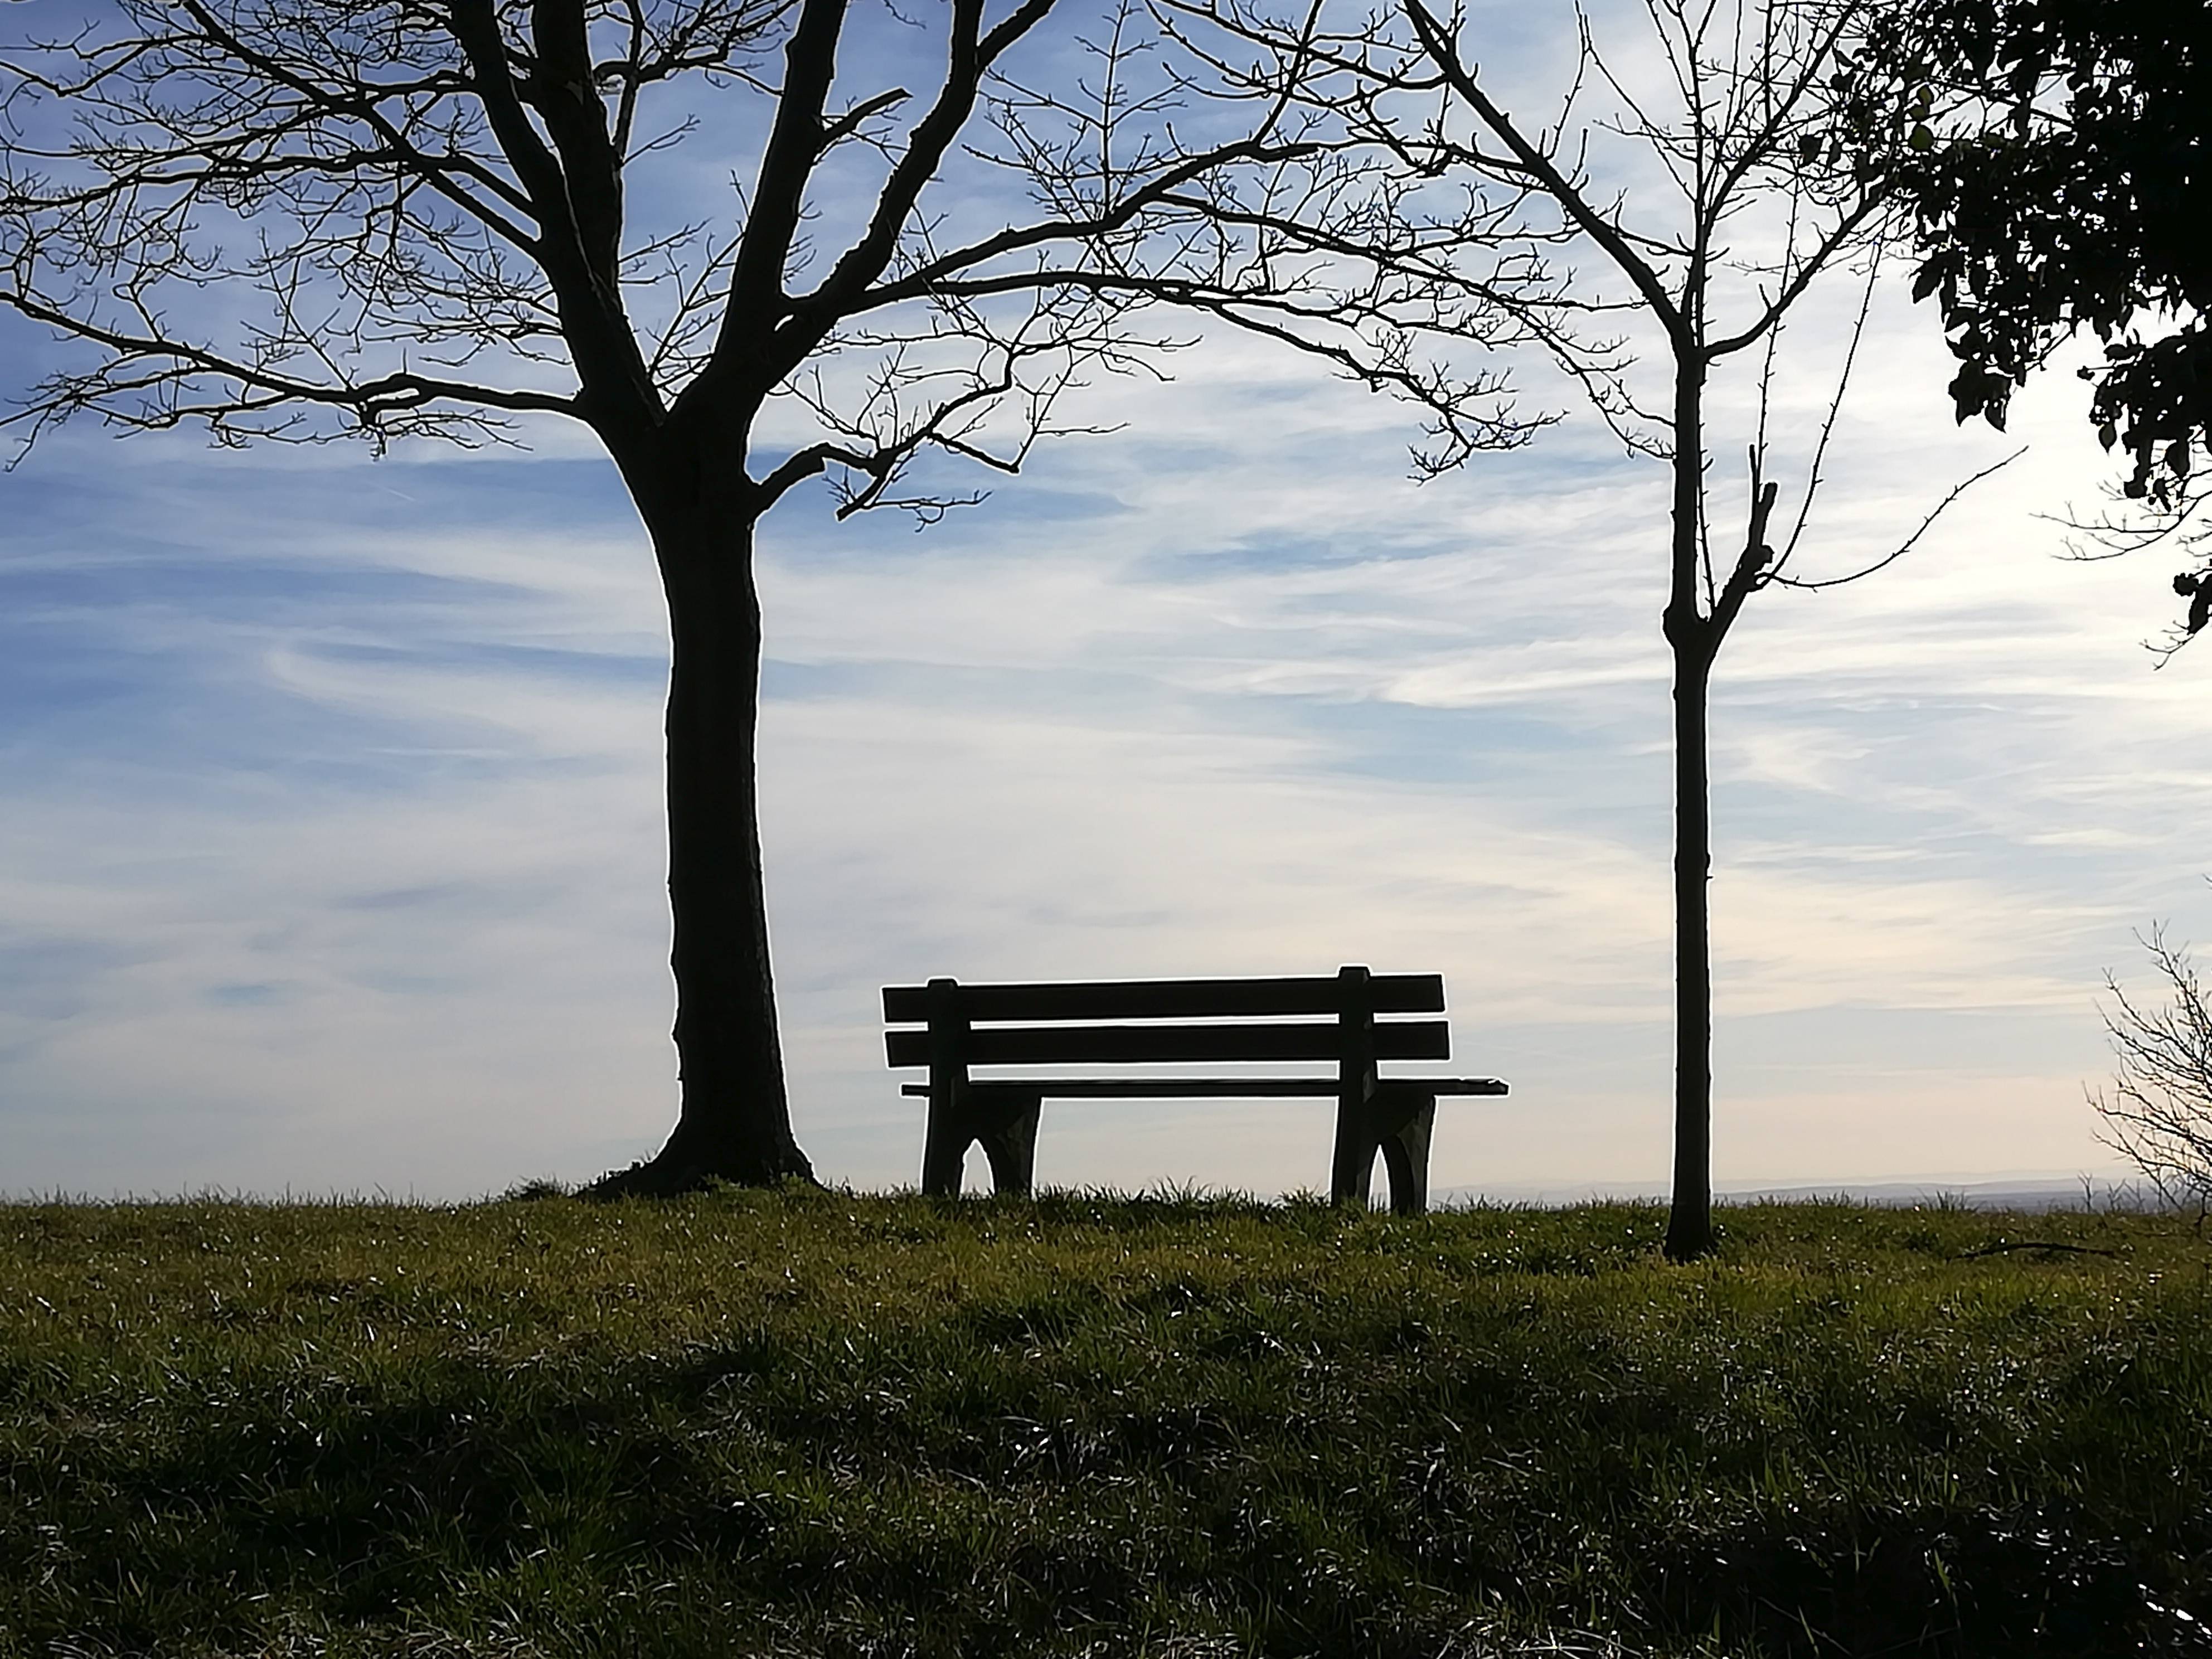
1745 97
1757 197
298 220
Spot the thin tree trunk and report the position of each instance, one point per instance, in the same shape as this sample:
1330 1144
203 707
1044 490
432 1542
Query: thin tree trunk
735 1120
1690 1219
1694 638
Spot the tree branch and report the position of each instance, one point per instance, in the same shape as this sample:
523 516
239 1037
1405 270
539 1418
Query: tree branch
1607 235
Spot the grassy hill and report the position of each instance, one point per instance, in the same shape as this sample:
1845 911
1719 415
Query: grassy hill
813 1423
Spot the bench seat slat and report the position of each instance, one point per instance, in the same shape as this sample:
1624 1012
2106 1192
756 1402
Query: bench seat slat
1048 1045
1223 1088
1168 999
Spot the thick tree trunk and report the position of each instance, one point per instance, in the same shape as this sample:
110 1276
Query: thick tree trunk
1689 1218
735 1120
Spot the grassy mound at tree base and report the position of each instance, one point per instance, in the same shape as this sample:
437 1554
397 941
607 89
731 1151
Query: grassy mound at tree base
807 1422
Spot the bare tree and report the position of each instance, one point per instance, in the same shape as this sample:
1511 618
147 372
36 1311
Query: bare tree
2159 1114
1747 195
300 220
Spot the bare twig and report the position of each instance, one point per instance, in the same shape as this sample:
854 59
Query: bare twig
1912 540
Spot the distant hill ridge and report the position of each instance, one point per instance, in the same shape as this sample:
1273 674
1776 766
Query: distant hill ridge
1997 1193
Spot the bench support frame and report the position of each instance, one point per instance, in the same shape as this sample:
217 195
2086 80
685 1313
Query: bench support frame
1395 1124
1003 1118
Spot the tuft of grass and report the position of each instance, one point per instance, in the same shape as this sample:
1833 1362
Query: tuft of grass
808 1422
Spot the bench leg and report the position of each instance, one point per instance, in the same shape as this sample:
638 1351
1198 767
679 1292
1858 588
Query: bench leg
1010 1145
1353 1165
943 1149
1405 1155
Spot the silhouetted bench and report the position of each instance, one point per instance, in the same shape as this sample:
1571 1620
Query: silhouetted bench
1340 1019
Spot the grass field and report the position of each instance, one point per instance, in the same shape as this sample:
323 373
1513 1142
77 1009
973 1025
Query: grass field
817 1423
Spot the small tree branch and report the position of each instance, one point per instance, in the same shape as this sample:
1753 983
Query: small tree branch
1909 542
1752 564
370 400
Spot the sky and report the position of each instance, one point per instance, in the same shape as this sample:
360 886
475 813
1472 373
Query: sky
332 859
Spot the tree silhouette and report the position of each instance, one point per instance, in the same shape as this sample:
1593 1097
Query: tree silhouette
2057 177
2159 1113
299 220
1757 198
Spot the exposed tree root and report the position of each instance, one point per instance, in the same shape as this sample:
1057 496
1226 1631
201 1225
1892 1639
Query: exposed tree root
673 1173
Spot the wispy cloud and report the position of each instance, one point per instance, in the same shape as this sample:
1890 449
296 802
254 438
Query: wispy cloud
333 859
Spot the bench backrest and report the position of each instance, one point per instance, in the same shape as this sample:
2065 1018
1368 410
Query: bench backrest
966 1025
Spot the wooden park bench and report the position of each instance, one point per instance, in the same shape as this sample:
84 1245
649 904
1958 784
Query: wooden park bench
1341 1019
